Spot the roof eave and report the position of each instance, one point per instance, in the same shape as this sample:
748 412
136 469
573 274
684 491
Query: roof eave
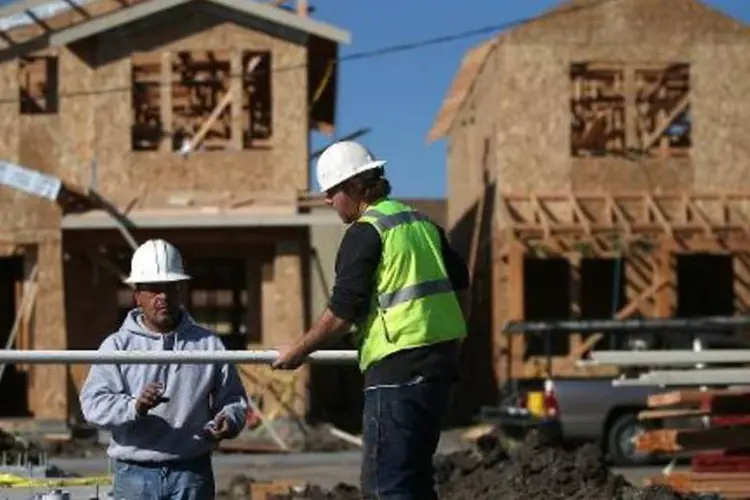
267 13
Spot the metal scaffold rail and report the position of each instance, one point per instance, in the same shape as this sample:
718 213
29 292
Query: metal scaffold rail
620 325
173 357
728 376
667 357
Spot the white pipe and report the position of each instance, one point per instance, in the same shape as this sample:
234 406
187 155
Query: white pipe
173 357
674 358
733 376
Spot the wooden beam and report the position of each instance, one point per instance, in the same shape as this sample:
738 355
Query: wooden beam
31 288
165 101
581 214
216 113
669 119
235 88
78 8
515 290
123 223
691 209
540 215
623 313
654 208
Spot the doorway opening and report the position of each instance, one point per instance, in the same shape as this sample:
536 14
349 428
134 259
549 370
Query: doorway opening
546 296
14 384
705 285
602 295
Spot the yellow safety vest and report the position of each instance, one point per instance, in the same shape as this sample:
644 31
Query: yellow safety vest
414 303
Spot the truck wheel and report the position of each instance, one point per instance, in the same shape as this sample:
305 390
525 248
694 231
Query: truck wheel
620 448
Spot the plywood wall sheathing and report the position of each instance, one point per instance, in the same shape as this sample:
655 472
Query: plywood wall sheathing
49 383
282 279
274 168
81 104
600 98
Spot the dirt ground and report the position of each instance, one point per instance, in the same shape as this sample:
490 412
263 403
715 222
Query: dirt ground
485 471
531 471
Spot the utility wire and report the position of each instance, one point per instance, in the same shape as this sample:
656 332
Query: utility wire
363 55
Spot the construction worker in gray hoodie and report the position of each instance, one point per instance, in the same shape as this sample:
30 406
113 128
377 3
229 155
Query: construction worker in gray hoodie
165 420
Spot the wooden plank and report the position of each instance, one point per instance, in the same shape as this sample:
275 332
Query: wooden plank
218 110
675 413
693 398
686 440
733 484
515 286
724 461
235 89
623 313
165 101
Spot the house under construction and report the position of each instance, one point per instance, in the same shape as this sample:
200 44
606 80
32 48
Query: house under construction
597 164
185 120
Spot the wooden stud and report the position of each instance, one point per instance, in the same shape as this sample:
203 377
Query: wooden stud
516 254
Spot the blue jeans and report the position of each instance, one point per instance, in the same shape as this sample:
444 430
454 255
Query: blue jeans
176 480
401 430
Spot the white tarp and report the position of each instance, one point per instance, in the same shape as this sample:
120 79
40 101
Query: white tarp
30 181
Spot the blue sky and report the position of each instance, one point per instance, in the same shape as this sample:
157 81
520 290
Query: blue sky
398 95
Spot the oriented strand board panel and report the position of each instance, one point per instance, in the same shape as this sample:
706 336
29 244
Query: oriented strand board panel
283 312
532 118
35 149
283 166
722 111
49 389
9 138
472 153
626 22
77 112
530 105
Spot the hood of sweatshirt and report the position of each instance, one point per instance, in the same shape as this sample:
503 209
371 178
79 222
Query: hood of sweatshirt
194 394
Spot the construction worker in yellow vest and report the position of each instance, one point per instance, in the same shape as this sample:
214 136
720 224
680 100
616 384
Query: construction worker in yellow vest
404 289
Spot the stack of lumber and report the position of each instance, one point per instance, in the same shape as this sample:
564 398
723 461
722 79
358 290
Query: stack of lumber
719 448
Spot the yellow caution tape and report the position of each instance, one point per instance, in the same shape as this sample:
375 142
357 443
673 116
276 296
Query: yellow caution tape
11 481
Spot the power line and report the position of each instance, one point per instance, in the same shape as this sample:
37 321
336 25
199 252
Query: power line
367 54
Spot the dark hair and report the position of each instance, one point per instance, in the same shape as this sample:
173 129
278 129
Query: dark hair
371 185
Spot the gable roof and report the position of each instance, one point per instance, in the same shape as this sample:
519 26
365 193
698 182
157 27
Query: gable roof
471 66
708 18
37 11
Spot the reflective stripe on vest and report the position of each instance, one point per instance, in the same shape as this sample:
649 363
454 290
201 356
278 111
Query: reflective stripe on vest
414 304
418 291
386 222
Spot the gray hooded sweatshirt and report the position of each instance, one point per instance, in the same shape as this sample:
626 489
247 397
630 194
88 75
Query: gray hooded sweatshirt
197 393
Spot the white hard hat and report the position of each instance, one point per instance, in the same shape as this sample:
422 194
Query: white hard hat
156 261
343 160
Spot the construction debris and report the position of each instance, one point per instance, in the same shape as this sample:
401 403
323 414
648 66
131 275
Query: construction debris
720 456
532 471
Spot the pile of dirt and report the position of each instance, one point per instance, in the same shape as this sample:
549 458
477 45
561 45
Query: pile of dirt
533 471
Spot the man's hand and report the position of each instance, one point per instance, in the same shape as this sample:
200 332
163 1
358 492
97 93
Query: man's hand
149 398
290 358
220 429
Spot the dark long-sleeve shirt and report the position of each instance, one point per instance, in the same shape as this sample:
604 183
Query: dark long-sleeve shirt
356 264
